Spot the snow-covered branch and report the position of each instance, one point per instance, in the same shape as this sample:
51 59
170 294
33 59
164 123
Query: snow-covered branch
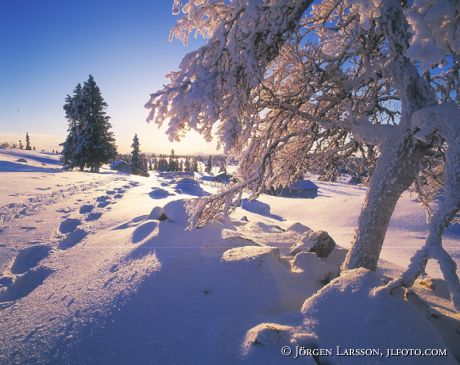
214 82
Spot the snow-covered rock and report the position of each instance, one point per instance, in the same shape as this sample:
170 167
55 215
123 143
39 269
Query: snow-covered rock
251 253
176 212
121 166
190 187
159 193
157 213
298 228
310 263
319 242
346 315
23 160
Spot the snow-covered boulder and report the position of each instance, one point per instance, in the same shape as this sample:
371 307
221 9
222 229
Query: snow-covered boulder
251 253
311 264
319 242
176 212
190 187
346 315
121 166
298 228
159 193
236 241
23 160
157 213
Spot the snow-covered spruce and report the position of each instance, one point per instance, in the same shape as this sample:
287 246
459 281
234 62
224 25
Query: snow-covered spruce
90 142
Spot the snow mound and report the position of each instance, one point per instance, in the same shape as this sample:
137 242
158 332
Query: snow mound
264 234
190 187
298 228
21 160
257 207
121 166
251 253
158 193
157 213
311 263
176 212
346 314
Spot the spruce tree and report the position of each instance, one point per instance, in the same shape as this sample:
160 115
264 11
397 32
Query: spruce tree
89 143
74 115
21 146
209 165
138 162
187 165
223 167
195 164
28 142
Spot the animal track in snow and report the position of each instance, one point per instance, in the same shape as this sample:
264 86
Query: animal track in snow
93 216
102 198
69 225
72 239
86 208
29 258
25 284
103 204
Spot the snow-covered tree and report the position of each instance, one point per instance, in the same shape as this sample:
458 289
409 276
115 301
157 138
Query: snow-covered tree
163 164
223 167
324 82
172 163
28 147
195 164
138 162
89 141
73 112
208 168
20 145
187 164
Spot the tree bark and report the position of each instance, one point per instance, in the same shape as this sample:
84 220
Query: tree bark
394 173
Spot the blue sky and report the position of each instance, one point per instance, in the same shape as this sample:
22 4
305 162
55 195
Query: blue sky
48 46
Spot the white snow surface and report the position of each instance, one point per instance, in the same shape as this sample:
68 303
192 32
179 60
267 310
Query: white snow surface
90 276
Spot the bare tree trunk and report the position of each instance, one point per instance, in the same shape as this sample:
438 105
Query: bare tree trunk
394 173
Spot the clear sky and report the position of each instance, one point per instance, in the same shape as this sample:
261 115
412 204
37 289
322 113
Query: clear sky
48 46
